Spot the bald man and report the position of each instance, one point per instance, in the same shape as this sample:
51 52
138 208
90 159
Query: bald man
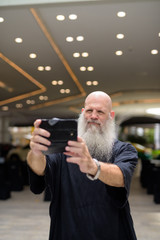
90 181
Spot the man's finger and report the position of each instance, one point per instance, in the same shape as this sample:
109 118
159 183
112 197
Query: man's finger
37 123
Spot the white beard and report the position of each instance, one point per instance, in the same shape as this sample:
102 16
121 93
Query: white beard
99 139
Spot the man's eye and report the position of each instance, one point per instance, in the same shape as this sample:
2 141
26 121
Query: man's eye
89 111
100 112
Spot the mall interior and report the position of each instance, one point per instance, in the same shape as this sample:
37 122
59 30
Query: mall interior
54 53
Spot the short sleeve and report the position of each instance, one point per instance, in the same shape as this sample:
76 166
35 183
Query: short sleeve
125 157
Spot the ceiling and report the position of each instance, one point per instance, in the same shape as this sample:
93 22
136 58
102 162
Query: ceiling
131 79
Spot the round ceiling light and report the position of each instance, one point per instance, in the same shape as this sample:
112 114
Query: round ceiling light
1 19
60 82
32 55
121 14
119 53
79 38
48 68
120 36
76 54
18 40
85 54
60 17
69 39
83 68
40 68
90 68
154 51
72 16
95 83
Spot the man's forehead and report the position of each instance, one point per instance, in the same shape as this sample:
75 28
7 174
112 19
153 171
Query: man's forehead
100 101
96 105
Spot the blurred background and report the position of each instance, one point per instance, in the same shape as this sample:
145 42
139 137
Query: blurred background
53 54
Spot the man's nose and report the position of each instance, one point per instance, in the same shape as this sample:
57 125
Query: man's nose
94 115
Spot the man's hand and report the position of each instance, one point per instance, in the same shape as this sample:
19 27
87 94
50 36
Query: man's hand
78 153
35 158
38 139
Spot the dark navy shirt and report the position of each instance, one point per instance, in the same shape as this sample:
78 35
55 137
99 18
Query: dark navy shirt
82 209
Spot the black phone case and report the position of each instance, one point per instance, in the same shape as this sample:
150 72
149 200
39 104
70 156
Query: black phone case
61 130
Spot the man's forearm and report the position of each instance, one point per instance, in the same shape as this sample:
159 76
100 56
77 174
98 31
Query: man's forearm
37 162
111 175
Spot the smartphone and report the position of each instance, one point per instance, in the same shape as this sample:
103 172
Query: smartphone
61 130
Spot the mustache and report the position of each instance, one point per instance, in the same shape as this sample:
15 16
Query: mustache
94 121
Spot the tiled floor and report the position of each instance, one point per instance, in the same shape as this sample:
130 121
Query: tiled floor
25 216
145 213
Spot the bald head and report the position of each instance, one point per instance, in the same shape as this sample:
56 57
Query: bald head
100 96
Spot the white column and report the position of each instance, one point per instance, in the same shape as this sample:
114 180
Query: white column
157 136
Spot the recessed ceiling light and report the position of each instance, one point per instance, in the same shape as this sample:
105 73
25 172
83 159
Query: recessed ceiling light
72 16
120 36
18 40
43 98
62 91
89 83
32 55
54 82
159 34
30 101
83 68
85 54
48 68
79 38
65 90
69 39
60 17
154 51
121 14
60 82
119 53
5 108
76 54
155 111
40 68
68 90
90 68
1 19
19 105
95 83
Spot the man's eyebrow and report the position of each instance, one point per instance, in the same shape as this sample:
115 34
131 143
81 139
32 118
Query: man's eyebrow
98 110
101 111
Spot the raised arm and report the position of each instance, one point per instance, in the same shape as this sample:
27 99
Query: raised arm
36 159
78 153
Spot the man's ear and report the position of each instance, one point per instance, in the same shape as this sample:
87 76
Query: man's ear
112 114
82 109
